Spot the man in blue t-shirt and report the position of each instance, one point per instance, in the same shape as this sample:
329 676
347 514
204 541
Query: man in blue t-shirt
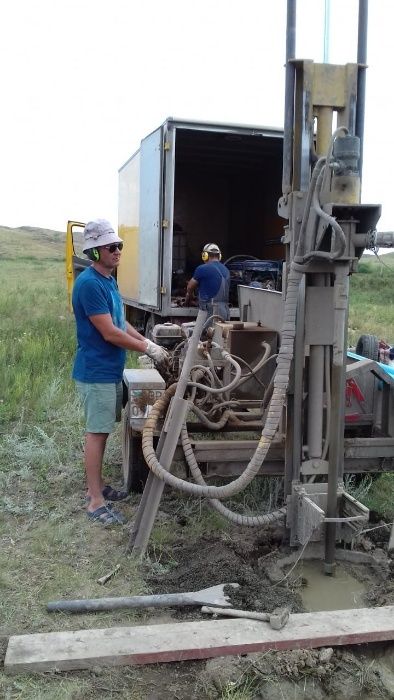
103 336
212 280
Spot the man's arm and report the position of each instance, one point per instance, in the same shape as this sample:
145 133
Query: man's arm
132 332
112 334
190 289
122 339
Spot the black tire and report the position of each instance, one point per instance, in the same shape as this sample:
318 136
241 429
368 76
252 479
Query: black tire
368 346
135 470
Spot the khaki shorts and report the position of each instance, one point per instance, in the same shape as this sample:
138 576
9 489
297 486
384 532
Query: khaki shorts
102 404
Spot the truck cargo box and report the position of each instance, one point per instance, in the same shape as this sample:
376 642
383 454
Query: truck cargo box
191 183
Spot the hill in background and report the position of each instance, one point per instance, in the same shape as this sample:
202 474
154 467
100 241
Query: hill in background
388 259
31 242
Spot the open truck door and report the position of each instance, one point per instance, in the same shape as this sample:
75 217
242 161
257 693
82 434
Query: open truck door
75 263
140 224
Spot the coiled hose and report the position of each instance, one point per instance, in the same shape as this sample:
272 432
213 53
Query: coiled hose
215 504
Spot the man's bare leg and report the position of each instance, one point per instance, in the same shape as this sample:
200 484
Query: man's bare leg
94 454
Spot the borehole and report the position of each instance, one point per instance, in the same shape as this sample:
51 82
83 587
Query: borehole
320 592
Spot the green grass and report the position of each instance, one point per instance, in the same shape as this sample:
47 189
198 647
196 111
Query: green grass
376 493
48 549
371 304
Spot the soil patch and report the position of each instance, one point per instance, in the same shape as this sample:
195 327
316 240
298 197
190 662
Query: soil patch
222 560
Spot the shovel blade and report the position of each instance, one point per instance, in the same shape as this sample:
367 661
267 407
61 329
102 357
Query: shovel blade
214 596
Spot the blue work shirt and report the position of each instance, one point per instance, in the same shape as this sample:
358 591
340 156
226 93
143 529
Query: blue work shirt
97 360
209 277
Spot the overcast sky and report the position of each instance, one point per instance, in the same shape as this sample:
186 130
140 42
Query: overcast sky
83 81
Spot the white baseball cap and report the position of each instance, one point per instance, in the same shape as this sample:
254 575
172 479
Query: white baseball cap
99 232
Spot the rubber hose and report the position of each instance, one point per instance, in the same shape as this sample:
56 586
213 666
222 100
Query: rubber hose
308 203
215 504
213 425
198 376
258 366
227 358
330 221
234 403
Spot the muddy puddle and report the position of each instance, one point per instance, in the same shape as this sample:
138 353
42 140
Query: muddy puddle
343 591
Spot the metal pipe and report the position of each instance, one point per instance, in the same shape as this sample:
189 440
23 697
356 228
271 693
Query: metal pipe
299 352
326 46
315 402
315 392
336 450
100 604
362 74
287 172
374 239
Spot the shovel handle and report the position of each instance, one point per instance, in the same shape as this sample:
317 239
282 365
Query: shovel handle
231 612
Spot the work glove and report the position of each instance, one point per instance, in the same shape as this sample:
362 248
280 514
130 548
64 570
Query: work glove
156 352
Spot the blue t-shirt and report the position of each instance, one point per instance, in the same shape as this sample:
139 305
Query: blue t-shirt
209 278
97 360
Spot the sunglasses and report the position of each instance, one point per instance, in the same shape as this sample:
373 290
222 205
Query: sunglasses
113 247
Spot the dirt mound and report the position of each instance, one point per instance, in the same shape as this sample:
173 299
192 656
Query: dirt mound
211 561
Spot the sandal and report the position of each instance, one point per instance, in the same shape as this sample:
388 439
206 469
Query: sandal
111 494
105 516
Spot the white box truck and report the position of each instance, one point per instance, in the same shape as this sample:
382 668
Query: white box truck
192 183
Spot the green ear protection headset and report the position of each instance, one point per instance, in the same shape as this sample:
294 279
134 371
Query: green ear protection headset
93 254
210 248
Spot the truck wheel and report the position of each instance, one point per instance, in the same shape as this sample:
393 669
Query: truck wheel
135 470
368 346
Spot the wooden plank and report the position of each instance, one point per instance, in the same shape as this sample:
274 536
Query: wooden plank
121 646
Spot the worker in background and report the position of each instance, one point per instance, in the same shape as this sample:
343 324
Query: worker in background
103 336
212 280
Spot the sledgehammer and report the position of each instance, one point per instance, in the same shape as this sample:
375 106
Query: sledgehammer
277 619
